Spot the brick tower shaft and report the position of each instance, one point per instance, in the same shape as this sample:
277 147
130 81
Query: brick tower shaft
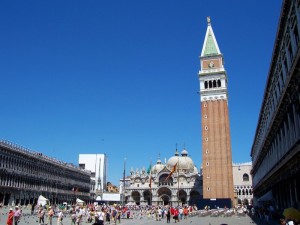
216 145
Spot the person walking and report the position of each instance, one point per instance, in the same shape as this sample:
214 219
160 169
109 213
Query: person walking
78 217
73 217
17 215
119 216
114 215
41 215
168 215
185 212
100 217
60 216
175 215
10 217
107 215
32 208
180 211
50 215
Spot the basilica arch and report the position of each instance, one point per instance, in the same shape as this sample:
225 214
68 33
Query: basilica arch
164 195
182 196
164 181
136 197
147 196
195 197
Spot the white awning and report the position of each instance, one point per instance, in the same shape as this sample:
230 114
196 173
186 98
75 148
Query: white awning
79 201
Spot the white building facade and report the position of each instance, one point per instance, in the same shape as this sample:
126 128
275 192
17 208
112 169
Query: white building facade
97 164
242 181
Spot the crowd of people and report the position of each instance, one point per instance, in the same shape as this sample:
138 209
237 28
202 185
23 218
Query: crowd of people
99 214
112 214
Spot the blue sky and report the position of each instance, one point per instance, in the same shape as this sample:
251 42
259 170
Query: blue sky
120 77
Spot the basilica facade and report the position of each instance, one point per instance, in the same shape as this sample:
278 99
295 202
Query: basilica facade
175 182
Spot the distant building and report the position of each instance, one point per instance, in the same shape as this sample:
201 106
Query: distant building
276 147
26 174
216 143
97 164
242 182
112 188
176 182
139 190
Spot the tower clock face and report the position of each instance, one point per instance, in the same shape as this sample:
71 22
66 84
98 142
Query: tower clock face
211 64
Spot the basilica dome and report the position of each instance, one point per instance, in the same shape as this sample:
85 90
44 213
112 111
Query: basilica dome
157 167
185 163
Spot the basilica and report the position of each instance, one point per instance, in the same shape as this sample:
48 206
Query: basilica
177 182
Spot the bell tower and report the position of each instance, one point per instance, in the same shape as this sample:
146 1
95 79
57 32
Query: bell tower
216 145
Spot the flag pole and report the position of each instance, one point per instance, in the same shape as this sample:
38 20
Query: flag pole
123 197
150 184
178 181
149 172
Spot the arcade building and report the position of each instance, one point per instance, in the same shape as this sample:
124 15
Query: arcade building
26 174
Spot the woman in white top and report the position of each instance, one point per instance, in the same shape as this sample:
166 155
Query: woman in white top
60 216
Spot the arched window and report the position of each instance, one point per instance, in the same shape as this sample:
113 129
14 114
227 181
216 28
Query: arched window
205 85
219 83
245 177
214 83
210 84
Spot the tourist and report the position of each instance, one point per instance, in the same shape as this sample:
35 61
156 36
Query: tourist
114 215
159 213
60 217
175 214
10 217
100 216
88 216
168 215
180 211
73 217
32 208
78 216
185 212
17 215
119 216
50 215
41 214
108 216
156 214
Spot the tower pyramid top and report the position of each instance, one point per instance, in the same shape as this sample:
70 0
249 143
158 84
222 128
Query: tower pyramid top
210 45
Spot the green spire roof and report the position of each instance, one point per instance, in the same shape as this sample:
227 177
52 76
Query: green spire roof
210 45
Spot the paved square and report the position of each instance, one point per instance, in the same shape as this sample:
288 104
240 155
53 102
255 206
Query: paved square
27 219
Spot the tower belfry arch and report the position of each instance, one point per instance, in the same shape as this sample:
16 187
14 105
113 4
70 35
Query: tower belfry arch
216 144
